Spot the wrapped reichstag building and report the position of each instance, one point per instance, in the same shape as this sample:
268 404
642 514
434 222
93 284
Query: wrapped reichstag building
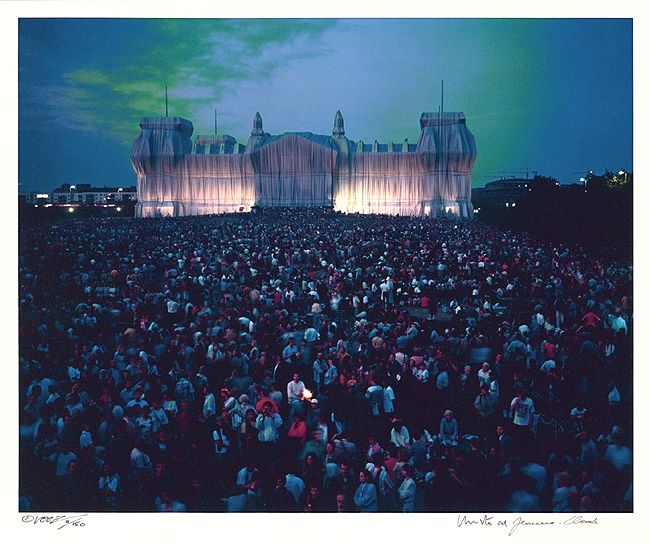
215 174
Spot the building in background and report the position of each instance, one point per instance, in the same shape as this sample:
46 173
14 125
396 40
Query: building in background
86 194
503 192
34 198
215 174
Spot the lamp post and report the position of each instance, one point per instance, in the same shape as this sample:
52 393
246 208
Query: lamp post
71 188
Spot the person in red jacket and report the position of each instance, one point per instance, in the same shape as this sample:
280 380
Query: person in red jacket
266 399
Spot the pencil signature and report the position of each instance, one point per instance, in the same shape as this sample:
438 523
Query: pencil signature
511 525
59 521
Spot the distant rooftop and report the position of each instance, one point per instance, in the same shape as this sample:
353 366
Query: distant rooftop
87 188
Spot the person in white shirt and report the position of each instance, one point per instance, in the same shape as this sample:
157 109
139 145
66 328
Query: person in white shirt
221 439
420 373
547 366
389 397
169 405
158 417
209 404
385 287
108 486
399 434
173 307
74 373
484 374
140 461
86 438
523 410
374 395
138 400
144 423
294 389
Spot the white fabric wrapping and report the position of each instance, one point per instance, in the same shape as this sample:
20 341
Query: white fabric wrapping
293 171
303 170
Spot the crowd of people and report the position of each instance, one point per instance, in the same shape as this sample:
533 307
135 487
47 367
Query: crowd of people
306 360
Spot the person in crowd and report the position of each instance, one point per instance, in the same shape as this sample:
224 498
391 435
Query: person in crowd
523 410
365 496
406 490
294 389
268 424
486 406
399 434
448 434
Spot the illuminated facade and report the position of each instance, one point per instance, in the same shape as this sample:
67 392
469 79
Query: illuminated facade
215 174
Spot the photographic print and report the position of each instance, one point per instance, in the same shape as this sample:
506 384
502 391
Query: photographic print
326 265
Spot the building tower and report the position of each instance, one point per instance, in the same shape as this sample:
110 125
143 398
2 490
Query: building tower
338 129
257 125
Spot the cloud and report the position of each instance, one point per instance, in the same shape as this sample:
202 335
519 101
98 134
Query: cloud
198 59
87 77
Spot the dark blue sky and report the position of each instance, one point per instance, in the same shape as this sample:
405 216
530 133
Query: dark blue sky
551 95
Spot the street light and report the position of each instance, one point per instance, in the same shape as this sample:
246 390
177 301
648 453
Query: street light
71 209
